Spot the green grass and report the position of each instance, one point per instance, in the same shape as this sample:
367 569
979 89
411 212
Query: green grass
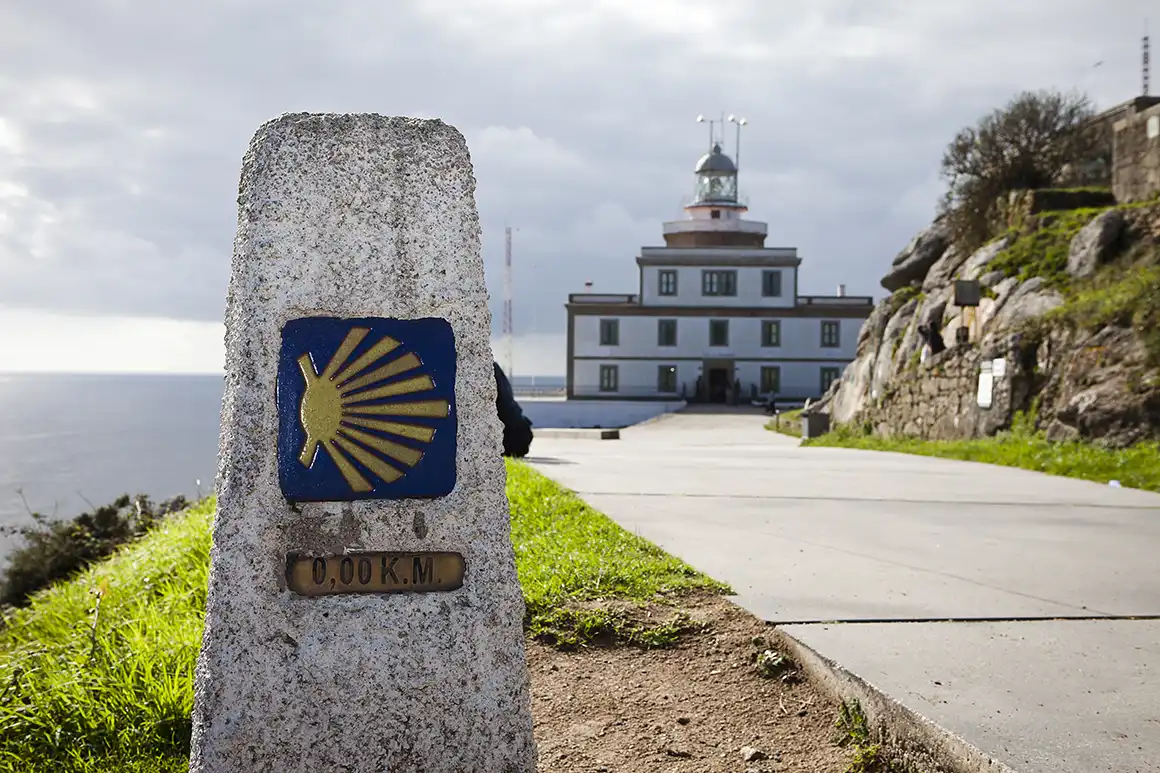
788 423
1043 251
1117 296
88 686
96 674
1135 467
572 559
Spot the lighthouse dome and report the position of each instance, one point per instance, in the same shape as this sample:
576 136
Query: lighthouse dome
715 162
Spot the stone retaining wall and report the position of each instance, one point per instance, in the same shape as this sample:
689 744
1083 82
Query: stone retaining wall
1136 165
938 399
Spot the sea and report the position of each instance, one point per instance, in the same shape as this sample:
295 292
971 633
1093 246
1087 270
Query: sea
68 442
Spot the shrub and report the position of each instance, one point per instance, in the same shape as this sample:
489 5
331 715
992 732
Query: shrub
55 550
1023 146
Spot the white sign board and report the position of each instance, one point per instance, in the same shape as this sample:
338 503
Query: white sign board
986 385
999 367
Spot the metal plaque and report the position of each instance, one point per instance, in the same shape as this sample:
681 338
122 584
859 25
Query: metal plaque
366 409
373 572
967 292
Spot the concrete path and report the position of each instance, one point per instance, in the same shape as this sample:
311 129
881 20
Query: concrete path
989 599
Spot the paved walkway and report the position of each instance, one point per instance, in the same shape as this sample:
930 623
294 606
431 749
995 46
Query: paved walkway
989 599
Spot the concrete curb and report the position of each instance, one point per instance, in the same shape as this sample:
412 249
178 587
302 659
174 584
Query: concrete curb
917 742
658 418
579 434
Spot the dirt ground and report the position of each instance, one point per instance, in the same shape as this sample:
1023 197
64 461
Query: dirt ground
682 710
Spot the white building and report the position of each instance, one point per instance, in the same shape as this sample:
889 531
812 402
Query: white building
717 315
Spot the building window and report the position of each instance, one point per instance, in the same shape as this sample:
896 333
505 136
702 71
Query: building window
667 378
719 283
770 379
668 281
829 376
830 334
718 332
715 214
666 332
610 332
771 284
771 332
609 378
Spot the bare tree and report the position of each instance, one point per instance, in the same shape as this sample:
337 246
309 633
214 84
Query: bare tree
1024 145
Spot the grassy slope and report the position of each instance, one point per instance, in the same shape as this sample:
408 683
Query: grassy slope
1136 467
110 688
570 558
113 682
789 423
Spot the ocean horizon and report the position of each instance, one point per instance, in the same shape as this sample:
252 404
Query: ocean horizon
72 441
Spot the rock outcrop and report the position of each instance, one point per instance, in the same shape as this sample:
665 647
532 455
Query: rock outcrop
913 263
1097 387
1093 384
1094 243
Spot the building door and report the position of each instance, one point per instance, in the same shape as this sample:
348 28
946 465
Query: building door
719 382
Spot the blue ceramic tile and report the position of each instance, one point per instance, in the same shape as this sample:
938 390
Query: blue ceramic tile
366 409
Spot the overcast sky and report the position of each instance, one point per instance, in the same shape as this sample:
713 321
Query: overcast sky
123 124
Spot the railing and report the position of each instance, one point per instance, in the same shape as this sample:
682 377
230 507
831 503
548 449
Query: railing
537 391
603 298
746 396
724 224
593 390
835 300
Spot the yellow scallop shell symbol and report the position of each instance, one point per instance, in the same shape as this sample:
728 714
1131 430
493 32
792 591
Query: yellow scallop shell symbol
338 406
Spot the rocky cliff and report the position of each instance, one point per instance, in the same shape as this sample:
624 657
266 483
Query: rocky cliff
1068 322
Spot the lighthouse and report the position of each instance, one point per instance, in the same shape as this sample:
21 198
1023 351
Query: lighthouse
717 316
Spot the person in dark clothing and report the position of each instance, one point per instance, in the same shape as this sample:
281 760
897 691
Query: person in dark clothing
936 341
517 428
932 338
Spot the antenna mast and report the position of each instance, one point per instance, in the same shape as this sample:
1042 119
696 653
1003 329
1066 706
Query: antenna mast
1145 59
1145 63
507 302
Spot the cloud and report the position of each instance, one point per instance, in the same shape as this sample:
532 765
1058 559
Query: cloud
43 342
123 123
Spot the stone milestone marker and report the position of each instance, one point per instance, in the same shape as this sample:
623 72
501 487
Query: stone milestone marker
363 611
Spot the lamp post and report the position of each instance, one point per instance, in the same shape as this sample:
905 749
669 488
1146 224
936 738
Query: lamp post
702 119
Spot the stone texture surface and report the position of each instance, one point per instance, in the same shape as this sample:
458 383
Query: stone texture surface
1016 210
896 389
1100 385
912 264
358 216
1021 303
886 363
944 268
1095 243
937 399
1136 164
977 263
